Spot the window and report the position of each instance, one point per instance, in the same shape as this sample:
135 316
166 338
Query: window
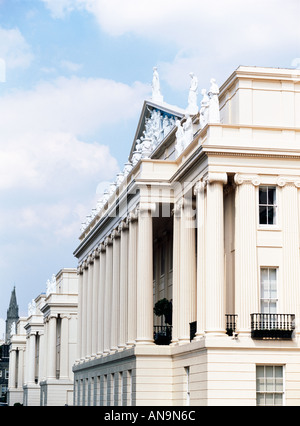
269 385
187 390
267 205
268 297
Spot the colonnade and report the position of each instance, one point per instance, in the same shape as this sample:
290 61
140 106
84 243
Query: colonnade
198 281
108 289
116 279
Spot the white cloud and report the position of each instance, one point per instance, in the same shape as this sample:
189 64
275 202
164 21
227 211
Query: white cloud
47 147
207 35
70 66
14 49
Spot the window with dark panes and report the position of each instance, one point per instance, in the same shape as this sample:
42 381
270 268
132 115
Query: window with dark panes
267 205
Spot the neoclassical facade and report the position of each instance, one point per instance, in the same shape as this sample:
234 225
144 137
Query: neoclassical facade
203 222
43 347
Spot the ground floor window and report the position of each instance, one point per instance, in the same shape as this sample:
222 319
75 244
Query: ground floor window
269 385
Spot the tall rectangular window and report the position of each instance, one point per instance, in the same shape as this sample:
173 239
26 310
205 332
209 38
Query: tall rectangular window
269 385
268 290
267 205
187 384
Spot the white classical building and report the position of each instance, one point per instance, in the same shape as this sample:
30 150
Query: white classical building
204 219
43 347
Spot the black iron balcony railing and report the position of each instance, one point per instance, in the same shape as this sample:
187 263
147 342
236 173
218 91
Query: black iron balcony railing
272 326
231 321
162 334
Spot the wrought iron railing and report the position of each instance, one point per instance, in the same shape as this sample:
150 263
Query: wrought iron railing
162 334
272 326
231 321
193 330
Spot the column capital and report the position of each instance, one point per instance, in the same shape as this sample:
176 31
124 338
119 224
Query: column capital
133 216
123 225
107 241
288 180
240 179
80 269
200 187
146 207
216 177
115 234
101 247
95 253
178 206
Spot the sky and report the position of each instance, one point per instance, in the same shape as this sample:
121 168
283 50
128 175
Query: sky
73 78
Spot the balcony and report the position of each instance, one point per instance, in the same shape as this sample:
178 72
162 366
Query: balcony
231 321
272 326
162 334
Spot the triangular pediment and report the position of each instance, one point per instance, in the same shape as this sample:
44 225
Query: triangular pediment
156 121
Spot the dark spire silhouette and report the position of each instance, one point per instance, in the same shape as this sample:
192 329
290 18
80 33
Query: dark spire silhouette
12 314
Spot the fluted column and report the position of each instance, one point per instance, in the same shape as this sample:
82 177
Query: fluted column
290 242
52 347
79 316
12 368
215 282
101 299
187 291
123 320
31 358
89 308
108 294
95 322
41 355
201 257
176 273
84 311
145 276
21 368
115 312
132 276
246 273
64 347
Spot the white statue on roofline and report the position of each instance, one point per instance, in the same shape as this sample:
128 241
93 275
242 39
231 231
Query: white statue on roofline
214 108
156 95
192 108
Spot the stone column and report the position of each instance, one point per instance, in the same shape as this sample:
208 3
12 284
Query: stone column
246 272
95 322
64 347
201 257
115 311
132 276
12 368
21 368
108 294
215 282
84 311
290 244
176 273
89 308
31 358
101 299
41 355
123 321
145 276
79 316
52 347
187 291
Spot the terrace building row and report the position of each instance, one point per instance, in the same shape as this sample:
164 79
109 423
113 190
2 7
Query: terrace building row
188 267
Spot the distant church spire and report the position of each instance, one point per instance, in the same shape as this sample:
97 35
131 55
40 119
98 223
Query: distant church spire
12 314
